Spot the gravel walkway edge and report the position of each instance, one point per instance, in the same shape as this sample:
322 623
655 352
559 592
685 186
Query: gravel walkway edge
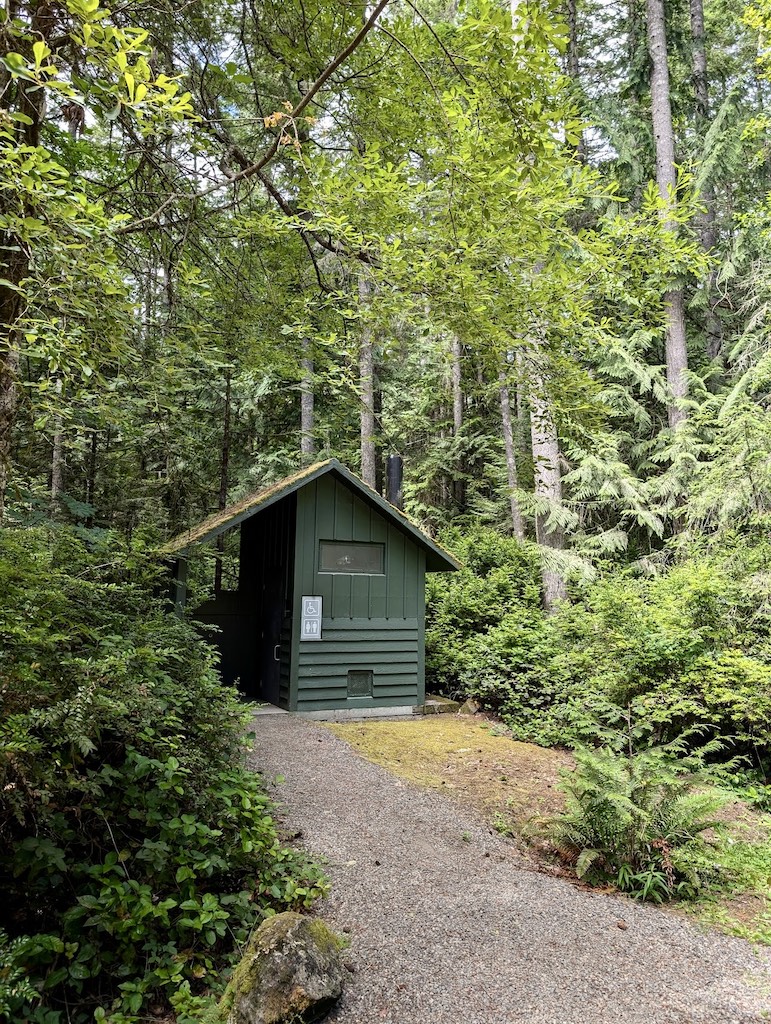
449 924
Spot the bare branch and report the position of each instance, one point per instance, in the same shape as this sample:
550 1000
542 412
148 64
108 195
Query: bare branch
254 168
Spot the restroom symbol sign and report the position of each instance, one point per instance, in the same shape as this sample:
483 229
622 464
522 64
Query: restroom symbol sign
310 626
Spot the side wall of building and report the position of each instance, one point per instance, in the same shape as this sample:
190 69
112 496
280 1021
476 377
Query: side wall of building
371 623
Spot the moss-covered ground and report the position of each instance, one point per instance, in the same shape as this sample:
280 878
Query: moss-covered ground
469 758
513 785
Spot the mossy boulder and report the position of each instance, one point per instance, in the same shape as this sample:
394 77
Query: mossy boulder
292 972
469 707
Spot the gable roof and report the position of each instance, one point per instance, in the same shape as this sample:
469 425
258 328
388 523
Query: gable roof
437 558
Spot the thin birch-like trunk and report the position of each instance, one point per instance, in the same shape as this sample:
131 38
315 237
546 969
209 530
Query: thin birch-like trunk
91 474
307 407
456 354
456 373
706 222
545 449
367 392
57 453
9 370
666 179
548 486
511 462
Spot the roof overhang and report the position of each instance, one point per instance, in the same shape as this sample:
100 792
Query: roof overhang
437 558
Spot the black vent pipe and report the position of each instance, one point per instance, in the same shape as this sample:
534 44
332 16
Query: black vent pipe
394 478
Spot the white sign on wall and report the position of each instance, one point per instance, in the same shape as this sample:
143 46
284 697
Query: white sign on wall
310 619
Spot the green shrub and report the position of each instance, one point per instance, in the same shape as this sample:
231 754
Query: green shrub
689 646
727 692
136 850
499 576
630 634
516 670
634 819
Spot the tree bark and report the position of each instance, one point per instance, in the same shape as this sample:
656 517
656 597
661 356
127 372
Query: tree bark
57 453
545 448
457 483
9 369
707 221
367 391
91 475
27 99
307 406
572 63
456 354
377 401
548 487
666 179
222 500
511 463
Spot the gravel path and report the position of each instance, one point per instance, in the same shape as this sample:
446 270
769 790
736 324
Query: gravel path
449 924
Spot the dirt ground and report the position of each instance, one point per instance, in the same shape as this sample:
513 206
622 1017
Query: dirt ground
447 922
514 787
468 757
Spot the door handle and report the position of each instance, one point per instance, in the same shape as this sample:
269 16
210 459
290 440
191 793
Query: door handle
277 652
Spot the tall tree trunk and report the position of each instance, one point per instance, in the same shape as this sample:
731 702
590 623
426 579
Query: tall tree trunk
57 453
456 355
222 501
545 448
458 486
12 305
707 224
27 99
9 370
367 391
511 462
307 407
572 63
666 179
377 404
91 475
548 486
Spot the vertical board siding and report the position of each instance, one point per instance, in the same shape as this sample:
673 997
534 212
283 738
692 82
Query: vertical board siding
370 622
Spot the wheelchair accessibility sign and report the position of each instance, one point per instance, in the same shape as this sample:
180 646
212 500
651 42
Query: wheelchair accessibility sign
310 621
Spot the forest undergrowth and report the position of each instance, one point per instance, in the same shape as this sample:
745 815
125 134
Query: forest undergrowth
517 789
658 678
137 851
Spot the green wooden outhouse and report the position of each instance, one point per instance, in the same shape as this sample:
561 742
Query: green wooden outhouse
329 612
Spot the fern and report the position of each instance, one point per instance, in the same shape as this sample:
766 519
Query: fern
633 816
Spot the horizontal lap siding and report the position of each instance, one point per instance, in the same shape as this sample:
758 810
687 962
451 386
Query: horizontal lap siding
370 622
391 654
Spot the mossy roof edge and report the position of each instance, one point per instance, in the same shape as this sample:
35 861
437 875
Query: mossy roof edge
438 558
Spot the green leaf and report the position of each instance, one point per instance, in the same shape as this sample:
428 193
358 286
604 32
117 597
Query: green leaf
585 860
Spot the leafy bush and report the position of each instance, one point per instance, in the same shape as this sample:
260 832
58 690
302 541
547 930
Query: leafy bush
499 576
516 669
634 818
15 987
689 647
136 850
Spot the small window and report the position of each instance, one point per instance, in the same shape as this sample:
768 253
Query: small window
360 683
350 556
